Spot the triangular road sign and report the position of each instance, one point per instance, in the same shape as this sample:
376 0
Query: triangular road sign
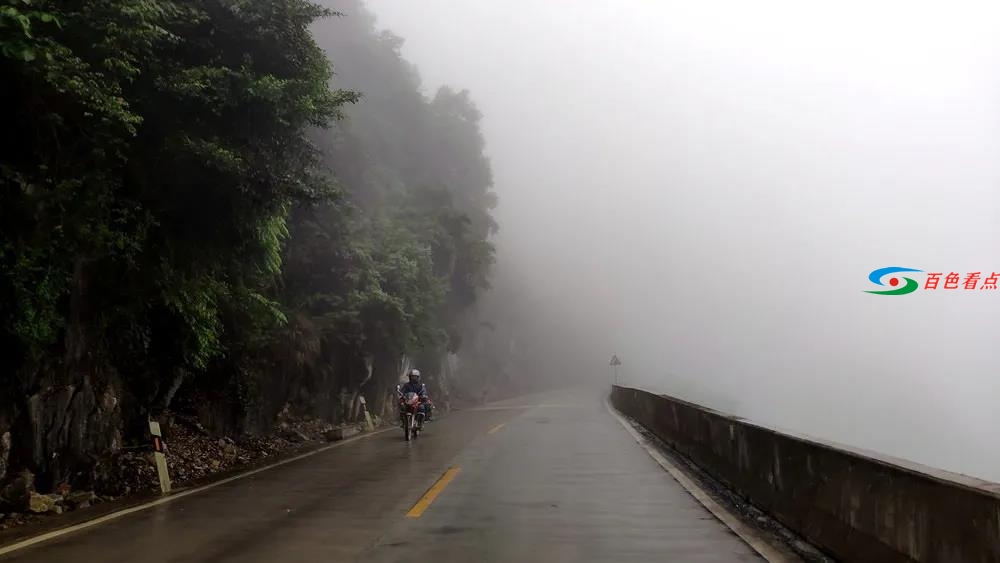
615 361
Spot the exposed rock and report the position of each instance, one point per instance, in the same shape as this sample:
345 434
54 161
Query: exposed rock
12 519
294 435
79 498
139 473
109 475
284 413
66 428
16 495
4 453
40 504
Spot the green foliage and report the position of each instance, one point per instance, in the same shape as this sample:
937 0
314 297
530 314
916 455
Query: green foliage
154 150
417 166
67 129
173 198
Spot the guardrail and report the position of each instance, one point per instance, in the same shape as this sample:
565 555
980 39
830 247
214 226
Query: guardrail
855 505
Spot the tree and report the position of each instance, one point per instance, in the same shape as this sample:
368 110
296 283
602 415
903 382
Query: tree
155 151
181 226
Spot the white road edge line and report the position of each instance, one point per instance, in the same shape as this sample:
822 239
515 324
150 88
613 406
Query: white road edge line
126 511
746 533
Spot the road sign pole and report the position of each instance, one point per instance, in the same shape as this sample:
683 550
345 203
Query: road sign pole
615 362
159 456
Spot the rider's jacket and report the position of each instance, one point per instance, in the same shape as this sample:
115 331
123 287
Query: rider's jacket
419 388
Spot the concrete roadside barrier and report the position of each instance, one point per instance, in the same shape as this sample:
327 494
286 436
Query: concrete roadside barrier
855 505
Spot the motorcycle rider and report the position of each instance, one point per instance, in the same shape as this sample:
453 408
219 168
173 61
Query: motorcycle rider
414 385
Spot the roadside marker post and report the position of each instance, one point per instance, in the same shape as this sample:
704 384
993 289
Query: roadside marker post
368 417
160 456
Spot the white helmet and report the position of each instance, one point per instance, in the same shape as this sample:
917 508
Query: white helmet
415 374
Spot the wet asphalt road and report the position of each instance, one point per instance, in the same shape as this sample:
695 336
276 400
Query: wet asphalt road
545 478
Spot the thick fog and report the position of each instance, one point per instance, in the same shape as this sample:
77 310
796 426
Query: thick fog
704 187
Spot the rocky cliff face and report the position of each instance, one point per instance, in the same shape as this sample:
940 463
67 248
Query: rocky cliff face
66 434
4 451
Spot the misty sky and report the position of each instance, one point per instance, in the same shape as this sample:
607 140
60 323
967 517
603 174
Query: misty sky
707 186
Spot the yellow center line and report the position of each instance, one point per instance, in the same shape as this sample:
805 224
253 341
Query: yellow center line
432 493
496 428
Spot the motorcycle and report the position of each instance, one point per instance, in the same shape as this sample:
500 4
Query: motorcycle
411 414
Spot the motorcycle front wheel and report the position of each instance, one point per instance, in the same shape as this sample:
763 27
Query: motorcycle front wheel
407 423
